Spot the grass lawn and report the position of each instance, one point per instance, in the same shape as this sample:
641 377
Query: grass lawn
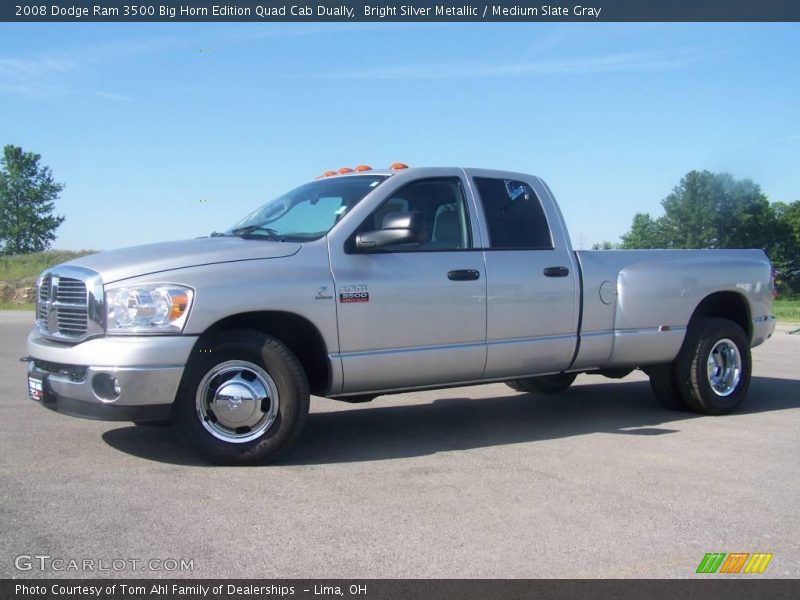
6 305
25 266
21 270
787 310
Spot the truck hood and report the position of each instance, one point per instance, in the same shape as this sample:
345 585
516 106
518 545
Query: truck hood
135 261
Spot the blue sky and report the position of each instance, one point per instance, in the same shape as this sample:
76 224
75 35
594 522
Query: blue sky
165 131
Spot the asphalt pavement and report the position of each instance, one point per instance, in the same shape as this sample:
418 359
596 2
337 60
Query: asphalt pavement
472 482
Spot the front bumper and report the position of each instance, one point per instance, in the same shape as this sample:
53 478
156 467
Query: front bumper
77 380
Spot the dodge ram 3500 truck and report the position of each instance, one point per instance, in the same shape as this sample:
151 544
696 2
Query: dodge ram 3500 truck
366 282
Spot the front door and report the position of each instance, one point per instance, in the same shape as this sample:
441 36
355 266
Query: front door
413 315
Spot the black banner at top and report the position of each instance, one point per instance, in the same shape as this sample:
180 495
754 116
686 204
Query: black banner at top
408 10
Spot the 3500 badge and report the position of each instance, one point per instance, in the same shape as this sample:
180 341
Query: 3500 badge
353 293
354 297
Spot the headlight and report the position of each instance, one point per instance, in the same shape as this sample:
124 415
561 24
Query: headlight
157 308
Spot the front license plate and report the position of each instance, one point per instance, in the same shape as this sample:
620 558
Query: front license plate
36 387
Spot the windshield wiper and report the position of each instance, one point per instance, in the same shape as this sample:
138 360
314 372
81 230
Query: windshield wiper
248 232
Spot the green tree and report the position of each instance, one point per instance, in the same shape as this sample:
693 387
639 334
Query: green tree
787 260
707 210
27 200
605 245
646 232
790 214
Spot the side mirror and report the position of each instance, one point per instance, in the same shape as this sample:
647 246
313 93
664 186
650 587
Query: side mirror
398 228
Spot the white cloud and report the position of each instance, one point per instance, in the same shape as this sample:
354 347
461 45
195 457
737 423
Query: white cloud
34 66
603 63
113 96
53 73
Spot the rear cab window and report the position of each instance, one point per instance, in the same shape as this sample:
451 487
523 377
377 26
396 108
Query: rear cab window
514 215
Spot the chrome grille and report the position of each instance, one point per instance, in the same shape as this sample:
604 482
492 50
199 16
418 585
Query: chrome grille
72 322
70 304
43 297
71 291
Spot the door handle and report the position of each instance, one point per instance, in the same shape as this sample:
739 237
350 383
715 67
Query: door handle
556 272
463 275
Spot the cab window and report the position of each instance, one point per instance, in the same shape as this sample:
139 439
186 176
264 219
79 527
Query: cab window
514 215
441 203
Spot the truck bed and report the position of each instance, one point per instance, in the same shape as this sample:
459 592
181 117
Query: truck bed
636 304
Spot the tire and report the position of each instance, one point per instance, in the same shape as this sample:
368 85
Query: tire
713 367
664 383
243 399
546 384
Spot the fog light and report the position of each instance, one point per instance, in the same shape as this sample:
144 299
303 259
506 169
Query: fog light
106 387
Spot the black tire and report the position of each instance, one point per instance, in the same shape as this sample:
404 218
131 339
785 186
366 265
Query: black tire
242 347
664 383
546 384
691 366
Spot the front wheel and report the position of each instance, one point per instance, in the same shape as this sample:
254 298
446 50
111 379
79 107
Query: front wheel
713 367
546 384
244 398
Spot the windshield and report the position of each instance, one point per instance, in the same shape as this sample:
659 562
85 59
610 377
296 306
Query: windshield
307 212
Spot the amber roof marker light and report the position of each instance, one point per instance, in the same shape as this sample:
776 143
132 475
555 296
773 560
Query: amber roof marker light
360 169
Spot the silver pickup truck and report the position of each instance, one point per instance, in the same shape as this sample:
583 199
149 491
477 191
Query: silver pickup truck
366 282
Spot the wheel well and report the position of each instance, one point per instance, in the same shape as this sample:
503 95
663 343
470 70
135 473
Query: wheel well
299 335
726 305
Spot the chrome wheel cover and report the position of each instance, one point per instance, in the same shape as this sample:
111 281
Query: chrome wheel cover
237 401
724 367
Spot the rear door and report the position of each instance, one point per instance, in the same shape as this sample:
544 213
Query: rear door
532 293
414 314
